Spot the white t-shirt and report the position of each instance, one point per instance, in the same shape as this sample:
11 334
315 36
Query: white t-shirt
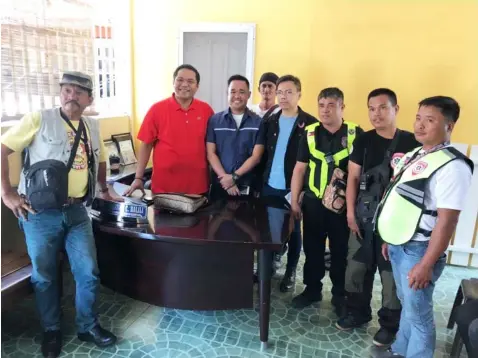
238 119
257 110
446 189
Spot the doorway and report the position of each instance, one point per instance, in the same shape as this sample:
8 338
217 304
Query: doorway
218 51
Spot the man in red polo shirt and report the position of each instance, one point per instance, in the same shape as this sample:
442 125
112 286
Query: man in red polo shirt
176 128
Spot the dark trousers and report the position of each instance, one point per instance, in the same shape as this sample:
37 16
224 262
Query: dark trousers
359 284
295 240
467 321
320 223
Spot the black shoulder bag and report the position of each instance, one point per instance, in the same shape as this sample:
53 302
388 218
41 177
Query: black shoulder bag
46 181
372 184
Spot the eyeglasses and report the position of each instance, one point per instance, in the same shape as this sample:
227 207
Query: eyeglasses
287 93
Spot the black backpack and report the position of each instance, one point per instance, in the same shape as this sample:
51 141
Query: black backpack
46 182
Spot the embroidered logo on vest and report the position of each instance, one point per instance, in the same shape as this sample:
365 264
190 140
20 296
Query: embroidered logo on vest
395 159
419 167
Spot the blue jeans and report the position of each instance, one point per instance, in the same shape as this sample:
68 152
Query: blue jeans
295 240
46 233
416 337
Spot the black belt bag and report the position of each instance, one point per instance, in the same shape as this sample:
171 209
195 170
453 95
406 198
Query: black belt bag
46 181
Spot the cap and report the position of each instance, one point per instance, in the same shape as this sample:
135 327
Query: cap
77 78
269 77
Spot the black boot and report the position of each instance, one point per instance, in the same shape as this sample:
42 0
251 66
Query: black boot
383 338
99 336
288 281
306 298
51 344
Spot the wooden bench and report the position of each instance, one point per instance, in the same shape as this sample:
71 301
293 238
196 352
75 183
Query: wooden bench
16 274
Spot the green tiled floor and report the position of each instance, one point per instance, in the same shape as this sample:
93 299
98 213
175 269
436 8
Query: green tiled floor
149 331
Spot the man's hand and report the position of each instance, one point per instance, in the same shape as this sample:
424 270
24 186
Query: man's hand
226 181
234 191
352 223
107 195
385 252
296 211
137 184
17 204
420 276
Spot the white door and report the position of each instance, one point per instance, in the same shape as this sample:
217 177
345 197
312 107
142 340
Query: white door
217 56
218 51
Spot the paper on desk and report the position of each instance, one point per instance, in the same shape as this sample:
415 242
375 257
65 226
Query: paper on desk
135 197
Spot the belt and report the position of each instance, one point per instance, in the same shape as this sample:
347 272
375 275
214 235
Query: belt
72 201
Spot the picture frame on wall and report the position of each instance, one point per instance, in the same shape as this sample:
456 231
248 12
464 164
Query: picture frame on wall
111 151
124 143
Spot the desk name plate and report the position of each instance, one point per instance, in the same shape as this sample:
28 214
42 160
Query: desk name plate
127 211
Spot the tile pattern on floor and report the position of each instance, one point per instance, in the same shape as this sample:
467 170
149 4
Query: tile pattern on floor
150 331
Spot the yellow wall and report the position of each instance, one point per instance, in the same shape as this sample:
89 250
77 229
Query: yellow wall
108 126
417 48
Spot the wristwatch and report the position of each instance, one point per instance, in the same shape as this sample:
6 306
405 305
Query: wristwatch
235 177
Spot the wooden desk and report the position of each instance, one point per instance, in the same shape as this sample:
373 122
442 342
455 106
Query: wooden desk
197 262
126 174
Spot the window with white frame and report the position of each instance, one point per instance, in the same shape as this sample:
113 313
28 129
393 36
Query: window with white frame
40 39
105 69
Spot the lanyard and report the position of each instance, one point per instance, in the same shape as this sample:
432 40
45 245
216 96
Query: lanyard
416 157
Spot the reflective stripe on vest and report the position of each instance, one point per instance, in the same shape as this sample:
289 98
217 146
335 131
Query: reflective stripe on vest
400 211
320 156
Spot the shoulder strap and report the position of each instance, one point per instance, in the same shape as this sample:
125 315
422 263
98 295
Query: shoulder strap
362 168
26 159
89 151
269 112
460 155
74 148
391 148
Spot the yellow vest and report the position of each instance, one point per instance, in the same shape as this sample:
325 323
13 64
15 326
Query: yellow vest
402 206
318 186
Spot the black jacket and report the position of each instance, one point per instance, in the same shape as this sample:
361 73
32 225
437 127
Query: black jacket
272 134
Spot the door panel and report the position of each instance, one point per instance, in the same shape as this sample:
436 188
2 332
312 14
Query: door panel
217 56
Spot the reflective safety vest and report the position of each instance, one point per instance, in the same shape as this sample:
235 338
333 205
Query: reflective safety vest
398 215
318 186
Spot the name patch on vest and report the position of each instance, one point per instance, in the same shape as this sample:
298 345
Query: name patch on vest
419 167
